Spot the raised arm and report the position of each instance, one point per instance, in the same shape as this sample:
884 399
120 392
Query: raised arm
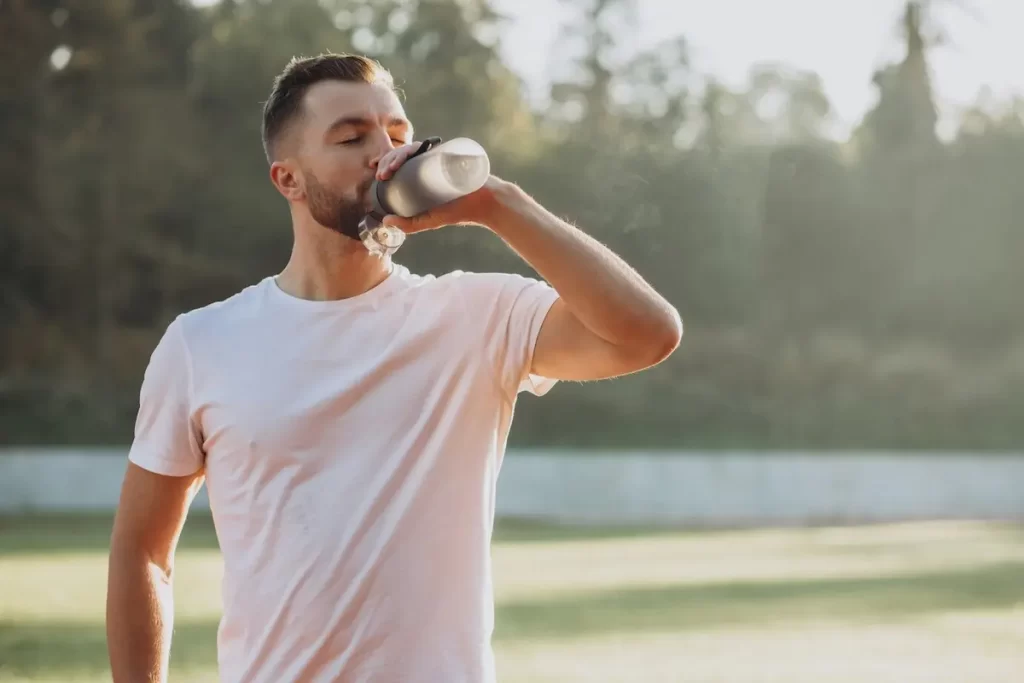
607 320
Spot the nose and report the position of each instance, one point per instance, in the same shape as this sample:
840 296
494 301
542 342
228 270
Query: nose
380 146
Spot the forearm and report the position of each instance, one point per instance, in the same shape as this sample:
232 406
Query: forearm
140 617
603 292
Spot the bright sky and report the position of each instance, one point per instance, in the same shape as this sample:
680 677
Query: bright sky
843 40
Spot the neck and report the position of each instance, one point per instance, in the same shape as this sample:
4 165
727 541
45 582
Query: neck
326 266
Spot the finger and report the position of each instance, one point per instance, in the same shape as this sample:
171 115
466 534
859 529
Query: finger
412 225
393 160
384 165
406 225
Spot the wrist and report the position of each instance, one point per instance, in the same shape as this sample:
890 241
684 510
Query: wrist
506 203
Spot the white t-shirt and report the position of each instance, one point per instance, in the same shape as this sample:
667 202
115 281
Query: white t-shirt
351 450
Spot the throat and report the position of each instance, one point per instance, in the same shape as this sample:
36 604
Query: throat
326 276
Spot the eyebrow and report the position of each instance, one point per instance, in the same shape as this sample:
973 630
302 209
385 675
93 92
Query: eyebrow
365 122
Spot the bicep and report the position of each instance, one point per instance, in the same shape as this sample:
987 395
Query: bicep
151 512
567 350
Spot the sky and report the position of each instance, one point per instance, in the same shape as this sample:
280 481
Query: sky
843 40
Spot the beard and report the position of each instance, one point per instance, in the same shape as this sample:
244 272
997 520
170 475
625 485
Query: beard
334 210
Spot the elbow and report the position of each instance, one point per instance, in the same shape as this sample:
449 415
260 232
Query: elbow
129 559
661 339
670 336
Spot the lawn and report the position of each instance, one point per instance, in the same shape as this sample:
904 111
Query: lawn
911 603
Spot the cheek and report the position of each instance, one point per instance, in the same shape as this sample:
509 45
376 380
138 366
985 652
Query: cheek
344 170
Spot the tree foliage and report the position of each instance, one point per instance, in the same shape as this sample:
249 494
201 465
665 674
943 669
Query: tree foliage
852 294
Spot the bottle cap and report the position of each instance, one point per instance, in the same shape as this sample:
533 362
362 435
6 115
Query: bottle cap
379 239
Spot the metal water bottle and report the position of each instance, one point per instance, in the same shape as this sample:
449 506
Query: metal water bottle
435 174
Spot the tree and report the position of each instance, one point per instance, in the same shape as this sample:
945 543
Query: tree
901 157
27 41
904 118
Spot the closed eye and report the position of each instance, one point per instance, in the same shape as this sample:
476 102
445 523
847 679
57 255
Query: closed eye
357 140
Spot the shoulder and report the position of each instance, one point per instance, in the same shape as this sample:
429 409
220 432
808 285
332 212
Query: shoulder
218 317
459 283
496 298
487 283
495 292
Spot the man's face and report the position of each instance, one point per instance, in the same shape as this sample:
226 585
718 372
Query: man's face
344 131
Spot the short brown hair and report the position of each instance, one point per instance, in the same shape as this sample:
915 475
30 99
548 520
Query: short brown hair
290 86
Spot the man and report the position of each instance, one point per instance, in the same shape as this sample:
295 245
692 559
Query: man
349 417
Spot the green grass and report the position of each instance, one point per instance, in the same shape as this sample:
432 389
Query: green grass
935 602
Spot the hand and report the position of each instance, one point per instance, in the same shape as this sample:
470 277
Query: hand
390 162
476 208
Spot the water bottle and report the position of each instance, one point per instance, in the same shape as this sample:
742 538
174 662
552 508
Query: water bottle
435 174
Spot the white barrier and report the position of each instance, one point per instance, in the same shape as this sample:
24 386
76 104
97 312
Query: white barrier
693 488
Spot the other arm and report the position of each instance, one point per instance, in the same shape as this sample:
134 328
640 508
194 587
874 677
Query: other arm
165 471
140 602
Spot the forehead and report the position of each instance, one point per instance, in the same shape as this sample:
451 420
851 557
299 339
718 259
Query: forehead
328 101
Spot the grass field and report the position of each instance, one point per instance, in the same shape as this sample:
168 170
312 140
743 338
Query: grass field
914 603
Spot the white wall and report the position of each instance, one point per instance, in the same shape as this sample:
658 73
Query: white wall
688 488
764 488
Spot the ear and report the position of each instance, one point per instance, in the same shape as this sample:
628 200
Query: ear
287 180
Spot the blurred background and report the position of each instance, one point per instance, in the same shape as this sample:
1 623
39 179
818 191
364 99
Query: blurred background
829 192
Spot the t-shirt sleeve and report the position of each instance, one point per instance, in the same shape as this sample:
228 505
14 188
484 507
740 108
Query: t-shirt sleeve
509 310
167 440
